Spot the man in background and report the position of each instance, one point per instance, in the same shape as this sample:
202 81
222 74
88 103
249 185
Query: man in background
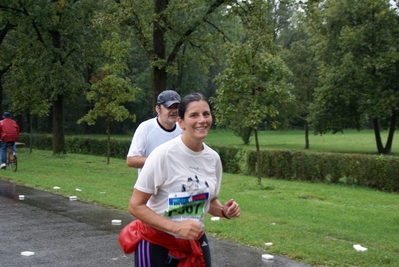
155 131
9 134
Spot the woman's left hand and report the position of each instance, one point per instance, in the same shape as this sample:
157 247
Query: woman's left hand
231 209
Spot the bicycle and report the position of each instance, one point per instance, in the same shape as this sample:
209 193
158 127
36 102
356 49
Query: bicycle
11 160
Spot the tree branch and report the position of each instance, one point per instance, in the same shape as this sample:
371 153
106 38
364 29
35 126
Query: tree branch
4 31
195 25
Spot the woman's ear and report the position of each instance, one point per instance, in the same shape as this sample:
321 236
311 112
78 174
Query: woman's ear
181 123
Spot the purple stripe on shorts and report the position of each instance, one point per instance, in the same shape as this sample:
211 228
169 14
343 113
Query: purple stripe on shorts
143 251
148 258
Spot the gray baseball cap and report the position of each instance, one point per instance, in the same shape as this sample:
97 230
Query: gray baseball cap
168 98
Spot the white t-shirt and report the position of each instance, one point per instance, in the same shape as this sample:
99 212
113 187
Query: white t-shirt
182 182
148 136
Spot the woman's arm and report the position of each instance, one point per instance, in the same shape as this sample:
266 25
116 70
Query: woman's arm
188 229
229 210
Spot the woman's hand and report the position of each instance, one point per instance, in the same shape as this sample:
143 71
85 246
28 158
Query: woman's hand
231 209
188 229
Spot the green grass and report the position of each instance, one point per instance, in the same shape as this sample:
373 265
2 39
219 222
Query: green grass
313 223
351 141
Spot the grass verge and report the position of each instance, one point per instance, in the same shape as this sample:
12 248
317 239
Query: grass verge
313 223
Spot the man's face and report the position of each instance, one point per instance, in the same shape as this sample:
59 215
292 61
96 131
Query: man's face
167 116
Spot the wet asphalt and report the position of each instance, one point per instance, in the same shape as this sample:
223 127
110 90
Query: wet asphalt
68 233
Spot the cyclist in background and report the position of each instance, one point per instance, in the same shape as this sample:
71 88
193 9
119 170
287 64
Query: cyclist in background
9 133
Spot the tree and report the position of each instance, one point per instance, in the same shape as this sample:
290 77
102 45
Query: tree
251 88
7 48
27 101
358 44
54 41
299 54
164 28
109 90
107 93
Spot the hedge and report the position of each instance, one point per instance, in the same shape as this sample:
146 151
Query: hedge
379 172
88 146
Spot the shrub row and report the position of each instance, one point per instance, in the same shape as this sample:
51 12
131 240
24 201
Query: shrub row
88 146
379 172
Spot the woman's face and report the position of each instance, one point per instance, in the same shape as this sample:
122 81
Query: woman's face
197 120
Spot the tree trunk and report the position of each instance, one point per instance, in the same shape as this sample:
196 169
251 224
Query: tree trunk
58 126
392 127
3 33
377 135
306 135
29 118
159 74
1 94
2 72
258 162
108 140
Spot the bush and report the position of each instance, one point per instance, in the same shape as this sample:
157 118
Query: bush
230 157
379 172
87 146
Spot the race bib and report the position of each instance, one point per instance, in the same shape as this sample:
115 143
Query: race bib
186 205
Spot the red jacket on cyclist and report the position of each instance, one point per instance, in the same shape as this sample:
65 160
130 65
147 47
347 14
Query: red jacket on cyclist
9 133
9 129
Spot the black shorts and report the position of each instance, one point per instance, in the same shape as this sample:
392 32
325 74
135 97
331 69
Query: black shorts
150 255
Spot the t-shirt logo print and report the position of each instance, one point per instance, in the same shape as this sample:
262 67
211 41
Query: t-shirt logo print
193 184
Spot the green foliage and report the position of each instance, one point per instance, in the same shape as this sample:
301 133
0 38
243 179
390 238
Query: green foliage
231 158
50 58
107 94
110 87
252 88
379 172
54 44
87 146
357 46
174 35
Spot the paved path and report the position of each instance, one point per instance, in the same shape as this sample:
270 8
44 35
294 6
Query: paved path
65 233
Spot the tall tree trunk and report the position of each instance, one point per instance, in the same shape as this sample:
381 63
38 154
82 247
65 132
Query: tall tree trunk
108 140
306 135
29 116
58 126
392 127
3 33
1 94
377 135
258 159
2 72
159 74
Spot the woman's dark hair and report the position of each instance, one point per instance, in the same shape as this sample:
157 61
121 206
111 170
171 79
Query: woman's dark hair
187 100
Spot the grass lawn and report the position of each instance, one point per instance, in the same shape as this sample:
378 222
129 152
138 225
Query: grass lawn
310 222
351 141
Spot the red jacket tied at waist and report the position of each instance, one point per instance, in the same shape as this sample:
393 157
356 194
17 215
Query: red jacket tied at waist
188 252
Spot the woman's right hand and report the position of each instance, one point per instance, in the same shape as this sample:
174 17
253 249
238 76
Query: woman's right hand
188 229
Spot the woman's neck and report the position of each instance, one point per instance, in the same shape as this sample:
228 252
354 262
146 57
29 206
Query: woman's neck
195 145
